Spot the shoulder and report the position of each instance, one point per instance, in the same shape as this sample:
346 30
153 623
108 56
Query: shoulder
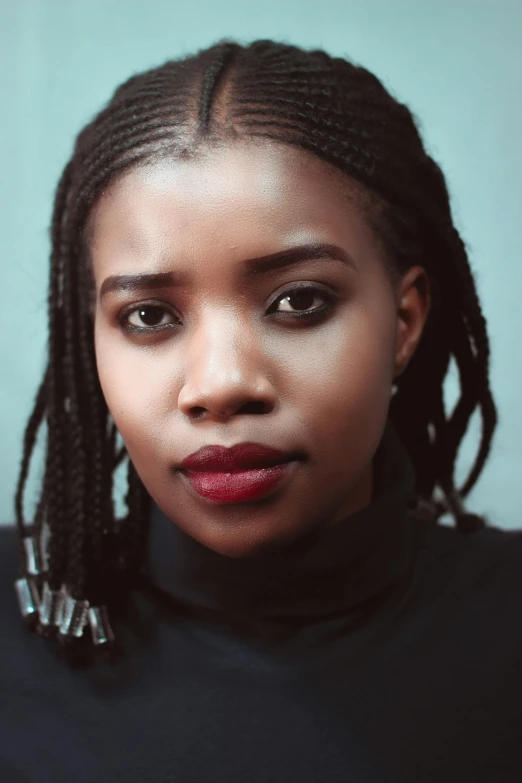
483 549
482 570
464 606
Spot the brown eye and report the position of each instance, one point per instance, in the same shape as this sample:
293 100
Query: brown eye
146 316
299 302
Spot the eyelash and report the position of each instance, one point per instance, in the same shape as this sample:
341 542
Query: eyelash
316 313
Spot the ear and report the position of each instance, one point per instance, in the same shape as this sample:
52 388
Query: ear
413 297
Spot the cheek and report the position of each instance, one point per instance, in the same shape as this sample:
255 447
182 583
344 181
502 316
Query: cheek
348 386
136 389
352 370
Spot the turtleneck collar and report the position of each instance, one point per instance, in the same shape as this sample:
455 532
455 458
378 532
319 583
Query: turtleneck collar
331 572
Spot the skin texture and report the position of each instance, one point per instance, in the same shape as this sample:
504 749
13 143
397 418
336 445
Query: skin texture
224 368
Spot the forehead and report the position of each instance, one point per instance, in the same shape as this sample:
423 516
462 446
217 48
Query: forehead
254 196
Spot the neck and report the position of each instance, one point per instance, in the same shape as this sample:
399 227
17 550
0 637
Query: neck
335 569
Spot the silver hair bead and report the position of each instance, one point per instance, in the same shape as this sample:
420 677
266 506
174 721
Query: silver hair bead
32 556
74 617
51 606
101 630
28 597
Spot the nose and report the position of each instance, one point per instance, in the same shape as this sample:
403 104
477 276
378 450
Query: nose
224 375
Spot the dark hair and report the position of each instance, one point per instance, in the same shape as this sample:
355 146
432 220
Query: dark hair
333 109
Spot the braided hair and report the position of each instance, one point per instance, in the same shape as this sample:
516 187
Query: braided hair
342 114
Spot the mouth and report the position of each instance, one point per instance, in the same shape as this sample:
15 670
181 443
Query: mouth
239 486
214 458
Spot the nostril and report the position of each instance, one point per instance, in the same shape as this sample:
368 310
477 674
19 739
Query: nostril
254 407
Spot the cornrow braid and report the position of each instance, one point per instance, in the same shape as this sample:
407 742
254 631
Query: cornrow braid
332 109
212 77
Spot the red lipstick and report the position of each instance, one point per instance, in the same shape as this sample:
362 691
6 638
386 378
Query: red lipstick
246 471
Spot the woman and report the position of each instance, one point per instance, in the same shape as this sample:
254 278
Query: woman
256 290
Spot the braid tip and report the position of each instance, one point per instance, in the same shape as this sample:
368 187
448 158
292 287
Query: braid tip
470 523
101 630
74 617
51 610
33 561
28 600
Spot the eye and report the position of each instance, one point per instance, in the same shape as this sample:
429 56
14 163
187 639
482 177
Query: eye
298 302
146 318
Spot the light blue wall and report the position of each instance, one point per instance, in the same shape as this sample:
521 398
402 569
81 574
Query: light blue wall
457 64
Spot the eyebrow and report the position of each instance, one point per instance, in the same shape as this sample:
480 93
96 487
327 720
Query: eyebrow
253 267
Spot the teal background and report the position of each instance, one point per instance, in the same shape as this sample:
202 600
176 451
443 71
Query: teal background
458 65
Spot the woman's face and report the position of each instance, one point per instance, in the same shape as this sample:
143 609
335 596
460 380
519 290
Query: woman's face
222 358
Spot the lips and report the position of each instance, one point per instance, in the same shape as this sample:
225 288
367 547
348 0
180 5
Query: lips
243 456
238 486
242 473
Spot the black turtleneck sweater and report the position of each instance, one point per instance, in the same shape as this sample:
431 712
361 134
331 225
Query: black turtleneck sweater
379 650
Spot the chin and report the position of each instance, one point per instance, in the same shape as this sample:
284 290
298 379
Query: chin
241 540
